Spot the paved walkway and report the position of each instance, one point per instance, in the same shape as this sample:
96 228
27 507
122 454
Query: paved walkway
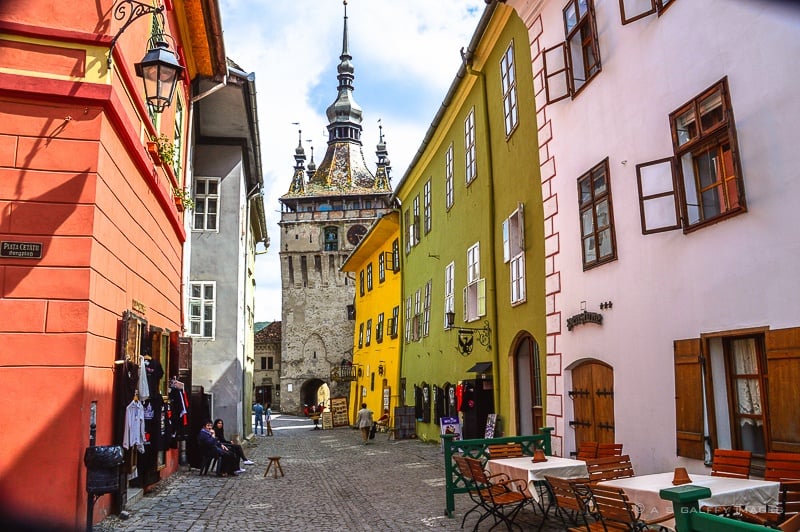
332 482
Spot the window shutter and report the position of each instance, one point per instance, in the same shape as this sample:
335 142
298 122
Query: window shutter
521 225
783 372
689 398
466 297
556 73
658 201
481 297
631 10
506 241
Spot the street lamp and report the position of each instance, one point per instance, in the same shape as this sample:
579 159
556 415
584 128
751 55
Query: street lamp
160 71
159 68
466 335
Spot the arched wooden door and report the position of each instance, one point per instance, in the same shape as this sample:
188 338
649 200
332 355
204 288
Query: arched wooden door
592 396
528 382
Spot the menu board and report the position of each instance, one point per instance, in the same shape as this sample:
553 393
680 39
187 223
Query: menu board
327 420
339 412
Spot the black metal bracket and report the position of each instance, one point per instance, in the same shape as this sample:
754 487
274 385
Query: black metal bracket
601 393
580 424
573 393
466 334
606 426
133 10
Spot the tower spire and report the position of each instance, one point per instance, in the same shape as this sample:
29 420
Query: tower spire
382 177
344 115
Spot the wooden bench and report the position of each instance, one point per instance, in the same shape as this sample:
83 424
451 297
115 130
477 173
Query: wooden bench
505 450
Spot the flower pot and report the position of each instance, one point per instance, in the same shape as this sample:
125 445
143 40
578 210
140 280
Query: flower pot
152 149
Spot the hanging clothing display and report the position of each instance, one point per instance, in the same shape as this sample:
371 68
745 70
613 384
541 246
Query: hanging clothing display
134 427
144 389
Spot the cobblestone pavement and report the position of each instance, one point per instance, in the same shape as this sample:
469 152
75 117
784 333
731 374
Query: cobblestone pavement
332 482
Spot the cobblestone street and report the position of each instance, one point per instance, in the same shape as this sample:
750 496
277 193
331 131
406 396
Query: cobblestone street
332 482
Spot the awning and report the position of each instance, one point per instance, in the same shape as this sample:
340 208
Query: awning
480 367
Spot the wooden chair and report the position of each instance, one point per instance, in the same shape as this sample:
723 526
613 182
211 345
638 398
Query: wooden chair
505 450
616 512
503 505
609 468
568 496
730 463
587 450
782 466
475 491
788 507
609 449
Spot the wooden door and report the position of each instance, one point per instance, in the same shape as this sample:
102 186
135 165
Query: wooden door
593 402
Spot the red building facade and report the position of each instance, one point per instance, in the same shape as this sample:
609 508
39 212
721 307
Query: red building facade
92 243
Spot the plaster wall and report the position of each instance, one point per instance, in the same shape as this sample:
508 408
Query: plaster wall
670 285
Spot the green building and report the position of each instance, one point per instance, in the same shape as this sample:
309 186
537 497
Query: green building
473 260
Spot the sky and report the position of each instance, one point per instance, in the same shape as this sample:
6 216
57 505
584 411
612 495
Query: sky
406 54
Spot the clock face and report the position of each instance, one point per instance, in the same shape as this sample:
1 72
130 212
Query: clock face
355 234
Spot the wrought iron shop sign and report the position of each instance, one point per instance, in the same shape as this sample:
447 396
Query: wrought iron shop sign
584 317
21 250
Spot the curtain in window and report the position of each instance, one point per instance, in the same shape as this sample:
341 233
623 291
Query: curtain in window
748 390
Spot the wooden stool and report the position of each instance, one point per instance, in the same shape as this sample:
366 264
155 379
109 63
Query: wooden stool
277 461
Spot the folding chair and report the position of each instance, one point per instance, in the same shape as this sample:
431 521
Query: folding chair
609 468
730 463
502 505
568 498
616 512
609 449
474 490
587 450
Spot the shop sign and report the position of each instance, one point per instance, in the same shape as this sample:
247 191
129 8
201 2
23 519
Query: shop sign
138 307
584 317
21 250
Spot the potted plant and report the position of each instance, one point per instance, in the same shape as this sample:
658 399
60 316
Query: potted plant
183 200
166 150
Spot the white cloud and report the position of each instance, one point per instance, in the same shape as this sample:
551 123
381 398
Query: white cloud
293 48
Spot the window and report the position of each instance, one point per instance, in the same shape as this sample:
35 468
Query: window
369 332
475 291
597 219
748 381
407 229
331 236
381 267
426 309
263 362
449 291
206 203
508 82
393 324
448 176
569 65
426 206
379 329
514 252
631 10
396 255
702 184
415 222
202 309
177 141
704 139
469 146
270 362
409 317
416 326
360 335
369 276
361 283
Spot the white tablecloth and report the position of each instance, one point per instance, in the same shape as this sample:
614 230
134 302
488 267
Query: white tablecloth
526 469
644 491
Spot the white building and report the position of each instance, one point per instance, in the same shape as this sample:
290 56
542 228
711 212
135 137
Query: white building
669 174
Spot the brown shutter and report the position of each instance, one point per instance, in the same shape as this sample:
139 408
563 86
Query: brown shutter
689 398
783 376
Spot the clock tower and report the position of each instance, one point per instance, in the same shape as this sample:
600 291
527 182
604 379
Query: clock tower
325 213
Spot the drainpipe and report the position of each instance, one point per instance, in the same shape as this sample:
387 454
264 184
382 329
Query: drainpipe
492 269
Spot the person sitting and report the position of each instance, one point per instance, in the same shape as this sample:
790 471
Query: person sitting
235 448
383 421
212 448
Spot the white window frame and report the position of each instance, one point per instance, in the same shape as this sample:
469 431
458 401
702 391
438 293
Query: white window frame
409 316
416 327
201 204
475 291
508 82
368 328
448 177
470 164
514 252
426 318
415 221
449 291
426 207
197 320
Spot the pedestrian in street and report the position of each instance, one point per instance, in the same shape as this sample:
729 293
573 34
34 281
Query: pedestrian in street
269 419
211 447
235 448
258 411
364 421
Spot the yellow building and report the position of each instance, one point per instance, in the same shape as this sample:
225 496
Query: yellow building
375 264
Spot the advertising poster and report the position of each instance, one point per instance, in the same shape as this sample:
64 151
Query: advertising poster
450 425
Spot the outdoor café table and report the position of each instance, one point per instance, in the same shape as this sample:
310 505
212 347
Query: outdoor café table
644 491
526 469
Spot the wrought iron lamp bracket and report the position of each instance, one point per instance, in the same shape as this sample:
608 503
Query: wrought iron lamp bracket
133 10
484 335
